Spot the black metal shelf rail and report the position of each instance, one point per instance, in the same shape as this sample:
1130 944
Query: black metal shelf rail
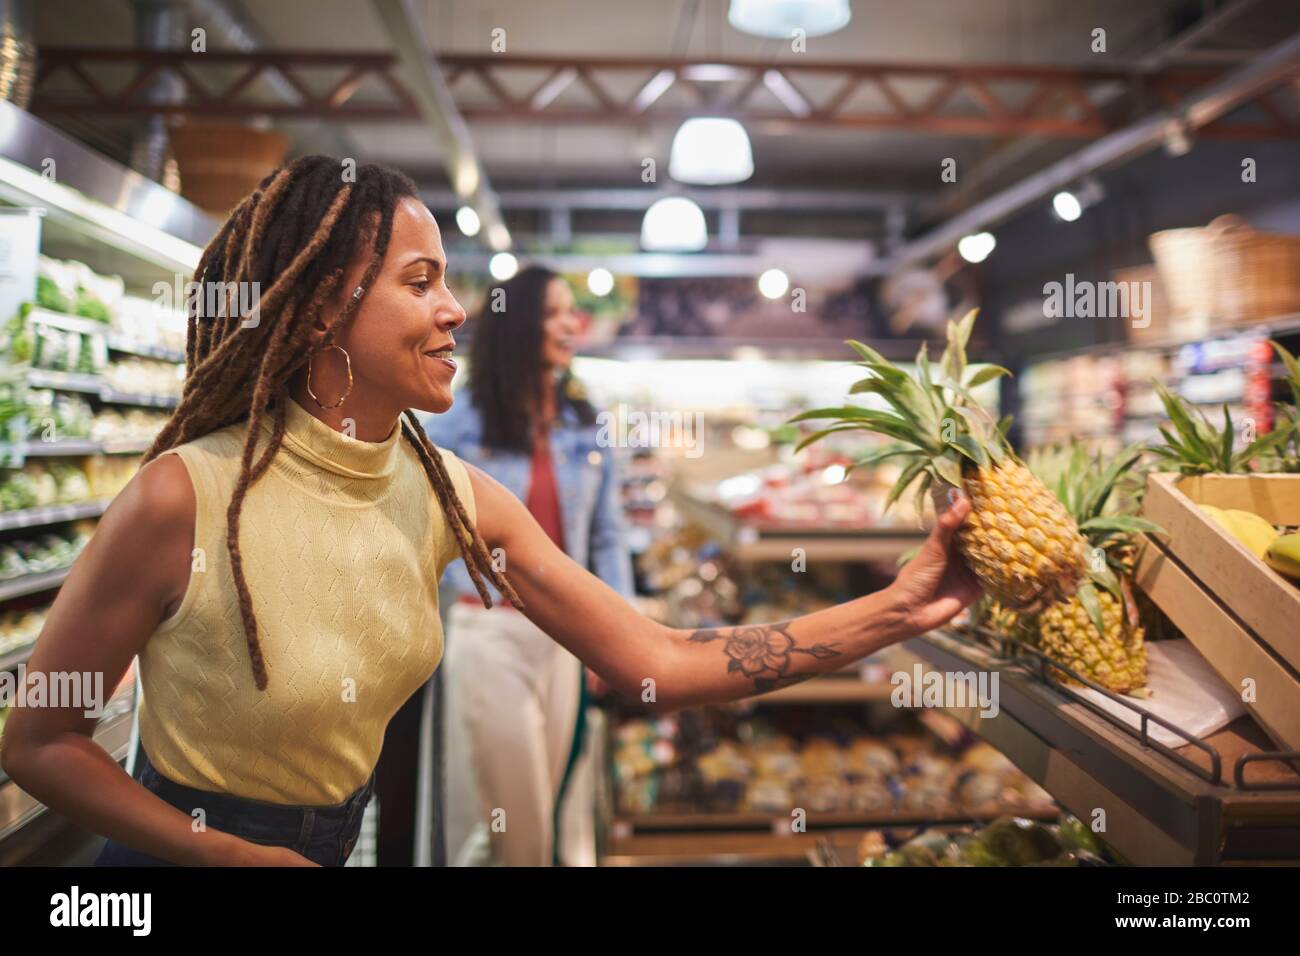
1035 663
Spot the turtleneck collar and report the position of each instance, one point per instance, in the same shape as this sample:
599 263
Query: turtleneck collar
309 438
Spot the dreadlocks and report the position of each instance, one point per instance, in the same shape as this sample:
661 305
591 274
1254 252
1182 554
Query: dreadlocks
294 236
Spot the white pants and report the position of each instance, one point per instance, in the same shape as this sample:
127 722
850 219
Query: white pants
512 705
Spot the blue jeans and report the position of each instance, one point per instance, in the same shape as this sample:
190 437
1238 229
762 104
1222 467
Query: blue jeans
324 835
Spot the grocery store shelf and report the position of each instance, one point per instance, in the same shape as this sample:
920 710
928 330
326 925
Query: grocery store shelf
68 323
76 447
114 397
65 381
62 447
629 824
130 446
747 541
18 655
710 849
96 198
114 341
32 583
1202 804
1275 325
702 347
97 386
117 343
829 690
51 514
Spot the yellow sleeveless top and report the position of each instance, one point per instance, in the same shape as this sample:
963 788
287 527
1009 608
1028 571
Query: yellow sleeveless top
343 543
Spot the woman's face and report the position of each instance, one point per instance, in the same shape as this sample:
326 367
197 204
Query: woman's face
401 337
559 325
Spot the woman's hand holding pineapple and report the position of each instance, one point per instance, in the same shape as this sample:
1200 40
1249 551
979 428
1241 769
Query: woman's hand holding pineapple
935 585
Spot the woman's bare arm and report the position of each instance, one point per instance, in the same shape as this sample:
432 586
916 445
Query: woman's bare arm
684 668
132 575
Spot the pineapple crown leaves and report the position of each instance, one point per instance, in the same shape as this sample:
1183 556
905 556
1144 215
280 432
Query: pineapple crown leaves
1087 485
1285 455
1292 370
1197 446
932 415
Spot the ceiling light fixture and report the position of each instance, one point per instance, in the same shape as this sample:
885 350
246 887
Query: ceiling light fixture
502 266
468 221
1067 206
780 18
773 283
711 151
976 247
600 282
674 224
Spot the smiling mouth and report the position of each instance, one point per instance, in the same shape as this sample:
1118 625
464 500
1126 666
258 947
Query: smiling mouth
443 353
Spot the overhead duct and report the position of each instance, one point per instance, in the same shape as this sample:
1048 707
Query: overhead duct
227 22
1201 108
158 26
423 77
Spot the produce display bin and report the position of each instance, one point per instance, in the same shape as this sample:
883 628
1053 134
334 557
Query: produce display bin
1227 798
1240 614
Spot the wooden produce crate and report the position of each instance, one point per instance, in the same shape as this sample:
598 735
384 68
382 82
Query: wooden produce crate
1240 614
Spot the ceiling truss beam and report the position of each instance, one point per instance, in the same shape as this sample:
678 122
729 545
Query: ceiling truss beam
968 100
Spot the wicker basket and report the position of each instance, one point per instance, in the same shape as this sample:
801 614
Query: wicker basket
221 163
1227 272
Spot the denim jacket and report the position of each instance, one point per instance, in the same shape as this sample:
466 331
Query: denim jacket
586 474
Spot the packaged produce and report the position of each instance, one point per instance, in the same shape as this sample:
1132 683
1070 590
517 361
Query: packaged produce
834 768
20 628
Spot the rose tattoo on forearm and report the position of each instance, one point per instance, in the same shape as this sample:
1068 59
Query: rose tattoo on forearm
764 653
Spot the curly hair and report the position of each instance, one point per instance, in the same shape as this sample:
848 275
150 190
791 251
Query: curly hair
294 236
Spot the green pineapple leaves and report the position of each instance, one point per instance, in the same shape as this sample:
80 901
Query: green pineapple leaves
1286 455
1198 447
1087 595
932 415
1095 492
1292 371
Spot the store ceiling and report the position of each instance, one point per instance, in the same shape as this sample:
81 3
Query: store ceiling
535 155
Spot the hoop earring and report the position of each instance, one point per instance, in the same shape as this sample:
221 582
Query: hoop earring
347 359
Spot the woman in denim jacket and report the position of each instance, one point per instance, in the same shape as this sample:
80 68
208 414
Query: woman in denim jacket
519 697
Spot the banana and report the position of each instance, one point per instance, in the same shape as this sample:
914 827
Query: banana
1254 533
1283 555
1216 514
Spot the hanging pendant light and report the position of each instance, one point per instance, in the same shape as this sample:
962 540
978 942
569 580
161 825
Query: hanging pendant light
780 18
711 151
674 224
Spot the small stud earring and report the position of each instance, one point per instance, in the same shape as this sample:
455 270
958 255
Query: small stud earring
359 292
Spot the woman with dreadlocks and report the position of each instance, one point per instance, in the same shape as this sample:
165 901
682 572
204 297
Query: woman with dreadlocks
274 564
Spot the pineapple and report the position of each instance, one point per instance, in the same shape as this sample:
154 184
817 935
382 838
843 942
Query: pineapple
992 615
1201 447
1116 661
996 616
1018 540
1097 632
